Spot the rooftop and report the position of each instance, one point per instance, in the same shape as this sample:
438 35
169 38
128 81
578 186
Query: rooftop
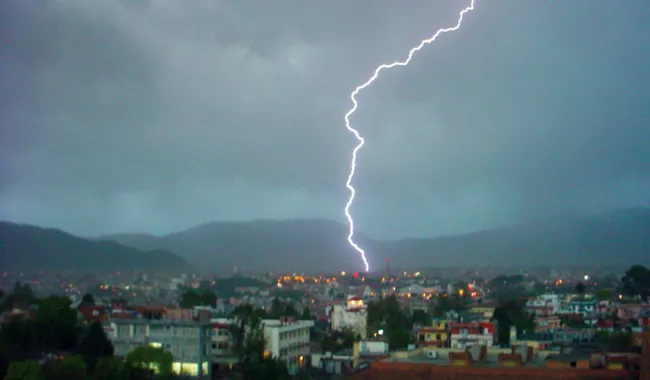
161 322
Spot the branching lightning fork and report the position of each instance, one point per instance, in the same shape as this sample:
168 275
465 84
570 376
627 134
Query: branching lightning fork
353 96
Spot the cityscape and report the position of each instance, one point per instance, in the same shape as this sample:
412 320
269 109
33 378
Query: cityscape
296 190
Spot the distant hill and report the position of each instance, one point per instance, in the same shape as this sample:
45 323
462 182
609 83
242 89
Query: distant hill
24 247
619 238
265 245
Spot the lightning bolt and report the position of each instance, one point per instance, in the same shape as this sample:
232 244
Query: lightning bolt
355 105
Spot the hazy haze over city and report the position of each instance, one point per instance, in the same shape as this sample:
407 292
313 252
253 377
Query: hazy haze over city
154 116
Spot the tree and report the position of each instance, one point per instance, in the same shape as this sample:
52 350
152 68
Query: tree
68 368
506 287
23 291
508 314
306 314
636 282
269 368
56 324
375 317
95 345
109 368
399 338
421 318
191 298
21 297
604 295
88 300
581 289
441 307
25 370
386 314
152 358
248 334
249 346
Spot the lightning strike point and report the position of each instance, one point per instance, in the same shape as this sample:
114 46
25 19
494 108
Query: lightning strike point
357 135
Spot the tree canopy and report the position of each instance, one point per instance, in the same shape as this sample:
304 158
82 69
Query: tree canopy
154 358
94 345
511 313
192 298
636 282
25 370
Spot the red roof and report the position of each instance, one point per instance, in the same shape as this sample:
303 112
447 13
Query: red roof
93 313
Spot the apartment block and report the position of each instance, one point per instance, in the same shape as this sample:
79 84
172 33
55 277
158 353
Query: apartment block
188 341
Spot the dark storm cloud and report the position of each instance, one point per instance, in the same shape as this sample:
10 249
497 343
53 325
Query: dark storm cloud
158 115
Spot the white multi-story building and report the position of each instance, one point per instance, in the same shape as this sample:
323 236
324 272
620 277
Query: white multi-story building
352 315
286 339
545 305
188 341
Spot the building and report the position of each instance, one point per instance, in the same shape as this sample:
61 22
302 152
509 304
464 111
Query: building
352 315
544 305
188 341
486 310
222 353
435 335
585 307
547 324
463 335
288 340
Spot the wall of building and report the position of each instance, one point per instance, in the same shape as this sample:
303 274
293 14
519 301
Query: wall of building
401 371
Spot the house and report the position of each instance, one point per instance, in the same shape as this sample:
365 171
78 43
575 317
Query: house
463 335
544 305
486 310
586 307
547 323
89 313
435 335
352 315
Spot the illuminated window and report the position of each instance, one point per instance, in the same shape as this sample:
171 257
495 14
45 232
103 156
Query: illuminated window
205 368
189 369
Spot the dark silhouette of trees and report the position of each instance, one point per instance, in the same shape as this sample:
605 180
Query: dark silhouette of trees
94 345
636 282
581 289
191 298
68 368
306 314
88 300
151 358
249 345
508 314
56 324
25 370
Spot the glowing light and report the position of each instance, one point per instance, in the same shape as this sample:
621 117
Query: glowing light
357 135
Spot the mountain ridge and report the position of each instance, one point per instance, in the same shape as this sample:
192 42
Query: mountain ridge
309 244
28 247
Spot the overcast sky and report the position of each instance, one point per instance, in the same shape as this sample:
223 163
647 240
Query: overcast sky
157 115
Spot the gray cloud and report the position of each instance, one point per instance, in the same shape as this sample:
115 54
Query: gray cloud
158 115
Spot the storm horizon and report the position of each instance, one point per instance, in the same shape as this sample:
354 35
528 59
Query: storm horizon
154 117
